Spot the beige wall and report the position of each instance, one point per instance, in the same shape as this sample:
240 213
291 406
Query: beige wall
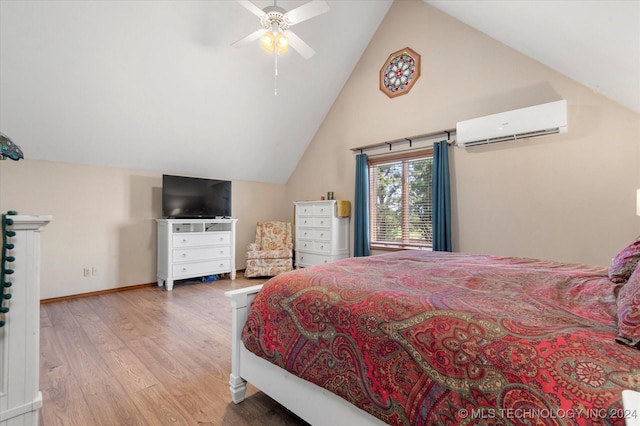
104 218
567 197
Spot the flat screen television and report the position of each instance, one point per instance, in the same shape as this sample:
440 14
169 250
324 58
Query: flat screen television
195 198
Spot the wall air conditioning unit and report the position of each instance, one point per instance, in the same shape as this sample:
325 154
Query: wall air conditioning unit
539 120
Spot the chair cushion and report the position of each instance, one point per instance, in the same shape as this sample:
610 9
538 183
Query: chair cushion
267 267
269 254
274 235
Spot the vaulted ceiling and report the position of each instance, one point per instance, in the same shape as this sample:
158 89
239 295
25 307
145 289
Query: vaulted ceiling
157 86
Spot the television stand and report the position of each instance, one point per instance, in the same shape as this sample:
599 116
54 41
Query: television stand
190 248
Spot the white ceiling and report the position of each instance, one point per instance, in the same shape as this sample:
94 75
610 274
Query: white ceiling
156 85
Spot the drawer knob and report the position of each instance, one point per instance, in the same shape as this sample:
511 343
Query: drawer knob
184 240
184 269
184 254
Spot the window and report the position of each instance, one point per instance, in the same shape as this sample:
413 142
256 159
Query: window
400 200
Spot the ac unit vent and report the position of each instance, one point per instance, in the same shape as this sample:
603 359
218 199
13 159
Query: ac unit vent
539 120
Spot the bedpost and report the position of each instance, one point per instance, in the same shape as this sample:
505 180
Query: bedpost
240 301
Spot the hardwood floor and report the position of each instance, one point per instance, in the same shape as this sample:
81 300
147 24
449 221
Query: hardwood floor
146 357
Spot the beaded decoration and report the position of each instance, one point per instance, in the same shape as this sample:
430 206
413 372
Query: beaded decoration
4 271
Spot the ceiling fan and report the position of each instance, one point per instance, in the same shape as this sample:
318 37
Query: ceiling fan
276 37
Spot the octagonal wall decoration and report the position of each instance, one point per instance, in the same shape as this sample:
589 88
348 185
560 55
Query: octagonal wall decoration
400 72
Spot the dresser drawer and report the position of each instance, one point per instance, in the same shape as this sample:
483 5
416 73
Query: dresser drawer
200 253
322 209
314 221
321 222
322 246
305 233
304 245
200 268
322 234
201 239
305 210
313 234
309 259
314 245
305 221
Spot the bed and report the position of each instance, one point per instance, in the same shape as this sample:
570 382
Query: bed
418 338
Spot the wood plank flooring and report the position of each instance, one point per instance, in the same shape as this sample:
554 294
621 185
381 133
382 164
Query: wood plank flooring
146 357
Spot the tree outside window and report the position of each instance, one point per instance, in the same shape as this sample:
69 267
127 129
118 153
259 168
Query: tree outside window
400 200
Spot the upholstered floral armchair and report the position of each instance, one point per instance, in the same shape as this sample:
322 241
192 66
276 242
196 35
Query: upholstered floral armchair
272 252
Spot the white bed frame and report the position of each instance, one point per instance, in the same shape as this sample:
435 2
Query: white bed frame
310 402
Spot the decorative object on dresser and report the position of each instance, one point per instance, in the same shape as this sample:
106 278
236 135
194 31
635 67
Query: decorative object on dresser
272 252
189 248
21 399
321 231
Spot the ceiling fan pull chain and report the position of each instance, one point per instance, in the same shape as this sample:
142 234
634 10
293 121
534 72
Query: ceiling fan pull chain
275 76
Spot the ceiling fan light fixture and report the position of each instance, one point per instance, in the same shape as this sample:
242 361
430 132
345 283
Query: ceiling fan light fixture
275 40
268 41
282 43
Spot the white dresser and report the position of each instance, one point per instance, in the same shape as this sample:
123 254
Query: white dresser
189 248
321 236
20 397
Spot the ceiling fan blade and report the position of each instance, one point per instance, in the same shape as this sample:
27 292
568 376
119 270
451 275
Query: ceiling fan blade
252 8
307 11
300 46
248 39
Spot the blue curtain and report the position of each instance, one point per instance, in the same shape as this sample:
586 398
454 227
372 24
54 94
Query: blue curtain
441 202
361 208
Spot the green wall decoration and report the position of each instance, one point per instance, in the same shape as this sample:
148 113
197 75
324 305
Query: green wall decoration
8 149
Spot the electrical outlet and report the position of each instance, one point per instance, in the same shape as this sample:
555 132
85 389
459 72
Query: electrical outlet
87 272
94 271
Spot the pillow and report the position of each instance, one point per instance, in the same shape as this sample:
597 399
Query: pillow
623 265
629 311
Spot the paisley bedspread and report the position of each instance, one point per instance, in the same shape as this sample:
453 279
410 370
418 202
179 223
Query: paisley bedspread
423 338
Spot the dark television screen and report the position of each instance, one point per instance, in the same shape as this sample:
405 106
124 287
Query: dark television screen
188 197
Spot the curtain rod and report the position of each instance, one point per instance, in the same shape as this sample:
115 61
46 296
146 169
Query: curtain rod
390 144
